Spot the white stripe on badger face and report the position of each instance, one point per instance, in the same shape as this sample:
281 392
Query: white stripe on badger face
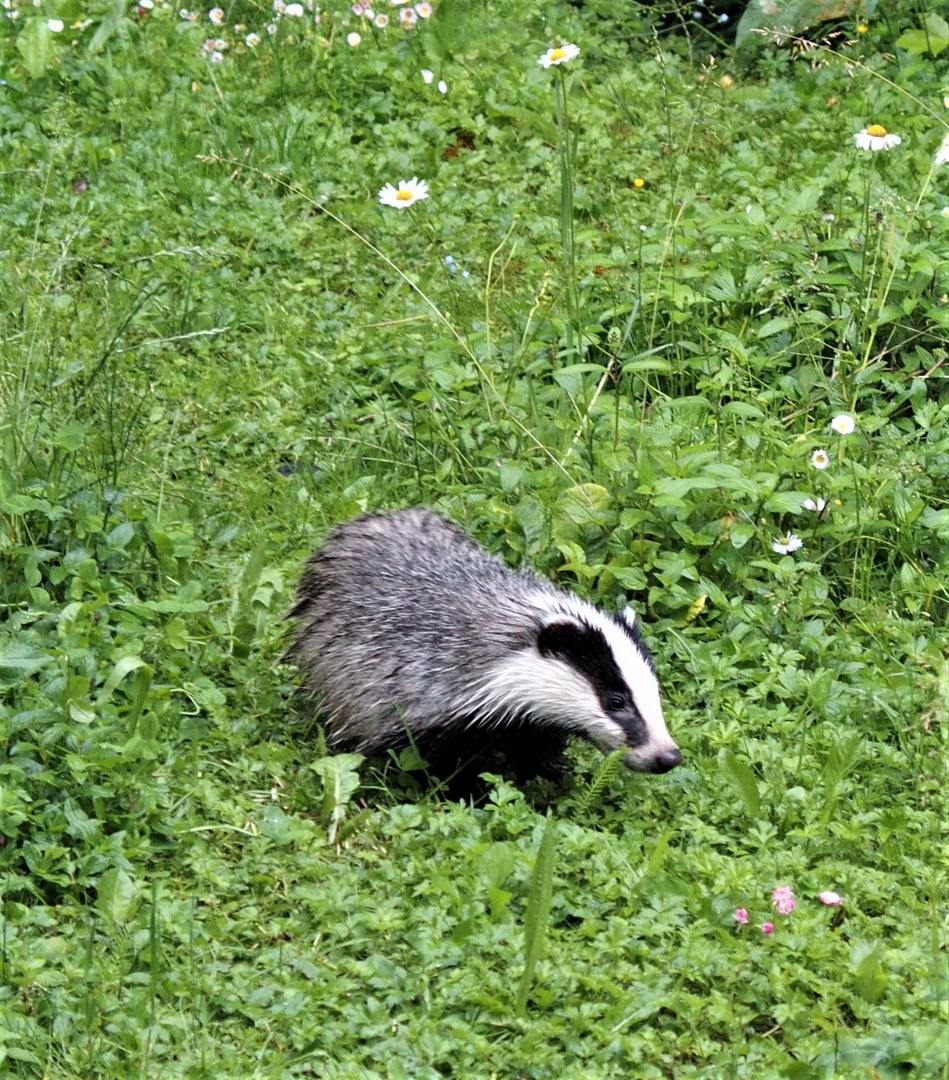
529 685
636 671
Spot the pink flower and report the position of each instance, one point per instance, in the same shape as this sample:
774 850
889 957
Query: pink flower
783 897
830 898
740 916
767 928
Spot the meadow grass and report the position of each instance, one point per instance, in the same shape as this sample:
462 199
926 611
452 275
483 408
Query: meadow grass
660 329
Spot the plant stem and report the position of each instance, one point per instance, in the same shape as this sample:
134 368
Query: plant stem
566 210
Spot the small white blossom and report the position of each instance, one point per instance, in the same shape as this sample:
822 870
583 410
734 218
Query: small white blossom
442 86
408 192
216 15
942 154
784 545
354 39
252 41
875 137
819 459
294 10
817 505
382 20
55 25
427 76
843 424
558 55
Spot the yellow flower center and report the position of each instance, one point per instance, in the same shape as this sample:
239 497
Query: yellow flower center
876 130
403 194
557 54
638 182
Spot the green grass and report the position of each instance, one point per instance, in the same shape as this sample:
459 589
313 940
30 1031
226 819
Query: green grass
216 344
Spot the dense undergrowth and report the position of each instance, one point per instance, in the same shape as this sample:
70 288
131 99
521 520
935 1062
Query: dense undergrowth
611 342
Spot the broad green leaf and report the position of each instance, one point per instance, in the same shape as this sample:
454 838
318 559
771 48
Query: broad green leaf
70 436
744 779
110 23
116 895
33 43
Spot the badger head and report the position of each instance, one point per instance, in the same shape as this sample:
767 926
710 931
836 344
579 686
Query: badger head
588 673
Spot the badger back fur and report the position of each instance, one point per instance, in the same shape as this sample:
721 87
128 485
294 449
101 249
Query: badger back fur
410 631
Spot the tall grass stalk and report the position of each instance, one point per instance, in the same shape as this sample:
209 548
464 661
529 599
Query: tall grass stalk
566 212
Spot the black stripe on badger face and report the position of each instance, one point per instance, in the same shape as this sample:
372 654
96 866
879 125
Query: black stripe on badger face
586 649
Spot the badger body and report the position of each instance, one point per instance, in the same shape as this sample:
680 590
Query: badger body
410 631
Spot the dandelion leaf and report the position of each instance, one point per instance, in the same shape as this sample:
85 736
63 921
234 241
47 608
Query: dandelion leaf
33 44
112 20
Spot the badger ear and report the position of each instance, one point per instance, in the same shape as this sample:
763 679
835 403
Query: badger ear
628 616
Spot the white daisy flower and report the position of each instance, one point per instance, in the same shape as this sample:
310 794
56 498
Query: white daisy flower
382 20
442 86
875 137
252 41
819 459
427 76
843 424
817 505
558 55
424 10
784 545
408 192
942 154
354 39
294 10
216 15
55 25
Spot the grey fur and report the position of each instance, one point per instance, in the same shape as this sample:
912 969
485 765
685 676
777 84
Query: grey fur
406 624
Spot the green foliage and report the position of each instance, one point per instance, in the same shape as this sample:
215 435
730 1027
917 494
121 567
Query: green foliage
214 343
932 37
539 899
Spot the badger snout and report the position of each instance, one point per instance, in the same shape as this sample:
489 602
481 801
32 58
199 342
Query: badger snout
666 760
655 761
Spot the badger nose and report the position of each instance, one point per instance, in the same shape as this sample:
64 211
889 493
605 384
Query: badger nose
667 759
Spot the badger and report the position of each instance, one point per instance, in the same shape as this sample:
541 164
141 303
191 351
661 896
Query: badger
409 631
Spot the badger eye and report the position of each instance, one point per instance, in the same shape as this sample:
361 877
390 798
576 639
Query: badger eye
616 702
